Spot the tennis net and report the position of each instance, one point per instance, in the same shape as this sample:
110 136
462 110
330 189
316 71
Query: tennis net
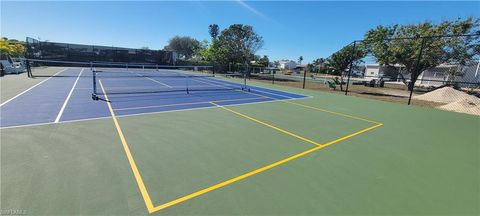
114 78
49 68
162 81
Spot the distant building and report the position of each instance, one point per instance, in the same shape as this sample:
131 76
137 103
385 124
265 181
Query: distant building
432 77
287 64
299 69
376 71
372 70
357 71
470 75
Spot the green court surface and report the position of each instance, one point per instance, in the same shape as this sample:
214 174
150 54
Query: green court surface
324 155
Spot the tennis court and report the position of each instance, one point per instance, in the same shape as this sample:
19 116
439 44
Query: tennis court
65 95
178 143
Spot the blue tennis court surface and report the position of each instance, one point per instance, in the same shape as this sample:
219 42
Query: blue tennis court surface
68 97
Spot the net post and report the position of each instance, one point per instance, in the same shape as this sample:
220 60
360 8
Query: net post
94 93
29 69
186 83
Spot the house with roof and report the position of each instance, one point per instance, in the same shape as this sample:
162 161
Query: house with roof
287 64
468 75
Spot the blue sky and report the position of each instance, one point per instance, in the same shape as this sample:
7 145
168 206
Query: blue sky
290 29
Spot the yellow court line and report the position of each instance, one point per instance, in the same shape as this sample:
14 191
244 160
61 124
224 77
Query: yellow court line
192 103
136 173
332 112
268 125
146 197
316 108
262 169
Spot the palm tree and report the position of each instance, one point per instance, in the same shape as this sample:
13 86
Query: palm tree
319 63
300 59
213 30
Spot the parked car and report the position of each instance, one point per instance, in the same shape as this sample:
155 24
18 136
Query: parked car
11 67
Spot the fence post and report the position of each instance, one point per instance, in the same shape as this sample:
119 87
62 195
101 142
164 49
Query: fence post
415 71
304 76
351 65
213 69
273 77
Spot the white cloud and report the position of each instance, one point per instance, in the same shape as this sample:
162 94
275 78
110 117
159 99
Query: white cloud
255 11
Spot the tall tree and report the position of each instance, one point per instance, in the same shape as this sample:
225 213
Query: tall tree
264 61
340 61
11 48
185 46
310 67
319 64
238 44
300 59
213 31
392 45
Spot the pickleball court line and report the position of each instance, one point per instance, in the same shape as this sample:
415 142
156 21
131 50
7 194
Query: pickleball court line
141 114
192 103
268 125
21 93
143 189
260 170
153 80
60 113
126 148
311 107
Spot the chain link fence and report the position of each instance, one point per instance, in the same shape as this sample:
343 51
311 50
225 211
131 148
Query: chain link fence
442 72
437 71
46 50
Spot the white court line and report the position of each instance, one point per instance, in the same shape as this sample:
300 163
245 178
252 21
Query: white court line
154 80
213 84
284 96
167 111
18 95
68 98
192 103
278 90
148 113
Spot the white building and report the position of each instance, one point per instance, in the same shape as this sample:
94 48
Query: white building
377 71
470 75
372 70
432 77
287 64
